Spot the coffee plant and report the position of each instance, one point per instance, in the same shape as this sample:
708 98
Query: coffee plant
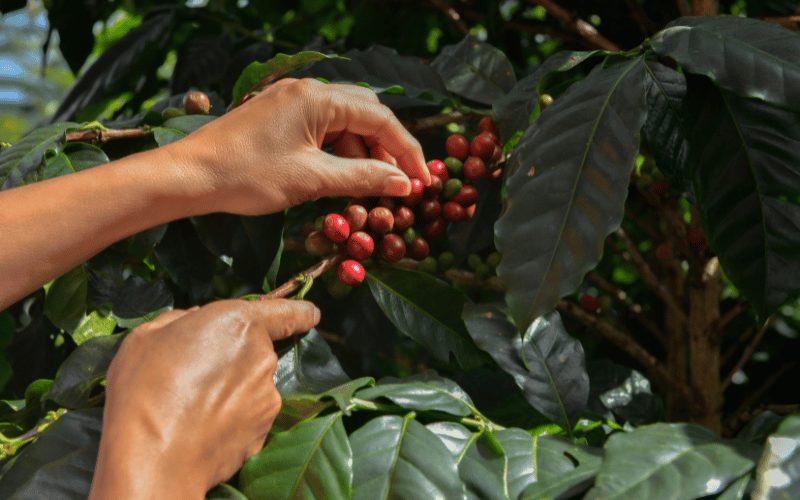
597 296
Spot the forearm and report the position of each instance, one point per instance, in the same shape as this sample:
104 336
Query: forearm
52 226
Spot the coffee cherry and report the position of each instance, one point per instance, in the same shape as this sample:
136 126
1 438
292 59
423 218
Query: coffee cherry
493 260
338 290
470 211
482 146
351 272
434 229
457 146
486 124
496 174
660 189
427 265
387 202
454 166
447 260
696 237
663 251
403 218
380 220
473 261
491 136
589 303
435 189
392 248
451 188
171 112
474 168
483 271
497 154
409 235
318 223
356 216
196 103
417 191
453 212
430 209
318 244
466 196
439 169
545 100
360 245
336 228
419 248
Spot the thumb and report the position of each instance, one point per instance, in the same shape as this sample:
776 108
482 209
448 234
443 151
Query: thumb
360 177
283 317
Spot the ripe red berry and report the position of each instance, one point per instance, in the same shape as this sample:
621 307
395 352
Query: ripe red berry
392 248
492 136
589 303
356 216
482 146
696 237
457 146
430 209
420 248
467 196
196 103
660 189
380 220
497 154
439 169
663 251
474 168
486 124
403 218
434 228
469 211
360 245
417 191
351 272
453 212
336 228
318 244
435 189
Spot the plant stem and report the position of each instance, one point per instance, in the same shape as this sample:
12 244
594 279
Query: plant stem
101 136
301 279
579 26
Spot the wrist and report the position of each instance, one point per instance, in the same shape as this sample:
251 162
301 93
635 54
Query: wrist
190 185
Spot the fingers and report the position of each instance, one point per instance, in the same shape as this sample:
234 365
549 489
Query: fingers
283 317
166 318
360 177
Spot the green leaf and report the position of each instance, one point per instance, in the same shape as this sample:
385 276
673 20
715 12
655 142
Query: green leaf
778 473
225 492
65 303
177 128
566 188
309 367
93 325
546 363
744 159
475 70
83 370
19 164
622 392
186 260
256 73
748 57
301 406
423 392
313 460
482 465
426 309
687 457
397 457
736 490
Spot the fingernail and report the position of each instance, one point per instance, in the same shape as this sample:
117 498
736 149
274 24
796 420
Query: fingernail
397 186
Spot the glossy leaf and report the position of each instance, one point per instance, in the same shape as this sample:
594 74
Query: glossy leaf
186 260
302 406
65 303
737 490
397 457
225 492
83 370
561 468
744 165
688 457
257 74
179 127
748 57
426 309
93 325
18 164
482 466
778 473
313 460
309 367
475 70
622 392
128 297
423 392
567 188
476 234
546 363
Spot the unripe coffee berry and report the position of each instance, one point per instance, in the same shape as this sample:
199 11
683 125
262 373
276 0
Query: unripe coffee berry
545 100
447 260
589 303
419 249
493 260
171 112
336 228
434 229
486 124
403 218
417 191
392 248
360 245
454 166
482 146
457 146
473 261
196 103
439 169
453 212
474 168
356 216
430 209
338 290
483 271
427 265
318 244
466 196
351 272
435 189
380 220
409 235
452 188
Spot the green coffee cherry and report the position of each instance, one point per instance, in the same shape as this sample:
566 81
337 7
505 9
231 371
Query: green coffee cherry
483 271
545 100
473 261
454 166
427 265
318 223
447 260
409 235
493 260
338 290
451 188
171 112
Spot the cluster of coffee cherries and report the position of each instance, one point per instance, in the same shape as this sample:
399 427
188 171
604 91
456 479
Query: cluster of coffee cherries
394 228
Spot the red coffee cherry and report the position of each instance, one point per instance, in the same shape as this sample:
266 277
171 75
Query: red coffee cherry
486 124
435 189
380 220
482 146
420 248
474 168
439 169
467 196
392 248
434 229
457 146
356 216
417 191
663 251
403 218
696 237
430 209
360 245
469 211
336 228
351 272
453 212
497 154
196 103
660 189
589 303
318 244
492 136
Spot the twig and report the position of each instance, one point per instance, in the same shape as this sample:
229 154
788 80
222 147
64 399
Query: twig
731 314
100 136
655 370
436 121
452 15
704 7
297 282
529 28
740 341
790 22
579 26
648 276
733 420
746 355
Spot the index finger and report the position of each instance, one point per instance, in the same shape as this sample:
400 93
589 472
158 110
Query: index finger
283 317
378 126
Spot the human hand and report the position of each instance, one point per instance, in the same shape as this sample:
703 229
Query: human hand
266 155
190 396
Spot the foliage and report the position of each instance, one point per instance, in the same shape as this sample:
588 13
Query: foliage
459 385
